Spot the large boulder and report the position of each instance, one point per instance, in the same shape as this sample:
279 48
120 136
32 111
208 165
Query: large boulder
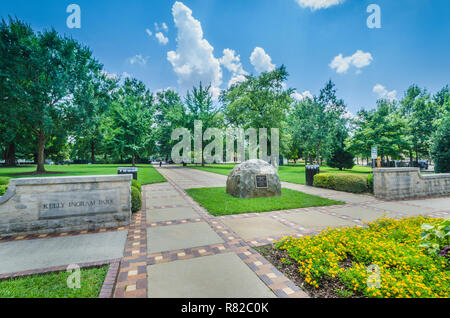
254 179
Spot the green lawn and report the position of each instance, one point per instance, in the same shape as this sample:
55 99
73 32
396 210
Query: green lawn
291 173
146 173
54 285
218 202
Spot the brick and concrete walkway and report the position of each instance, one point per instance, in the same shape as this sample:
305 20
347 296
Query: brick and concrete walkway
186 252
180 250
174 248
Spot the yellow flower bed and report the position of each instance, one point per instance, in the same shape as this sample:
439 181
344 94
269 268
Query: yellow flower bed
402 269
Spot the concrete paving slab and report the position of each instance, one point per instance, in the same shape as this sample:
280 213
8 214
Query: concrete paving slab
180 236
217 276
43 253
318 221
161 186
441 204
362 213
170 214
402 208
257 227
351 198
164 201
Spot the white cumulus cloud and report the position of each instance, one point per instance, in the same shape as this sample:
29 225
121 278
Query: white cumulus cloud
193 61
138 59
318 4
161 38
261 60
126 75
301 96
383 93
359 60
165 27
232 63
149 32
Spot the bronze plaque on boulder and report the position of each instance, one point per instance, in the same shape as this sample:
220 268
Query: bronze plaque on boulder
261 181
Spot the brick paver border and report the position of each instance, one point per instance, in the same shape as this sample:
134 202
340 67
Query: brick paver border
13 238
132 274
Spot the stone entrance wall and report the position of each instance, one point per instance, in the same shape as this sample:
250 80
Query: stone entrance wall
400 183
62 204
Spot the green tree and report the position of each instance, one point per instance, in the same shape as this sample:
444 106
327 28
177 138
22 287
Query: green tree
420 112
440 149
131 120
53 71
96 96
14 43
383 127
260 102
200 106
315 119
170 113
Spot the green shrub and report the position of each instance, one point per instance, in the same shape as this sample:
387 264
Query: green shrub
370 183
341 182
3 189
324 180
136 199
4 181
350 183
136 184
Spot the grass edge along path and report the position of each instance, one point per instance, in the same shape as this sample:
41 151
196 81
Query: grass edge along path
288 173
54 285
147 174
217 202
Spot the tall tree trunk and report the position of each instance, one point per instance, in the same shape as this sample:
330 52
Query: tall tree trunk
318 153
10 155
133 160
203 159
41 152
93 151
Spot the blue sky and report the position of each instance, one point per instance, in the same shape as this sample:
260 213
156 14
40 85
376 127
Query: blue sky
412 45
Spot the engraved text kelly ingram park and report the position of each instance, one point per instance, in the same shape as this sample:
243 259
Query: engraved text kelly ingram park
81 204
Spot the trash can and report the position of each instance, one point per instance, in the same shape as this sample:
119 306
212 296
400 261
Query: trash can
128 170
311 171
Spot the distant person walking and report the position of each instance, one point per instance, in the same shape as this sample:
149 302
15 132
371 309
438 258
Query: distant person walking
160 164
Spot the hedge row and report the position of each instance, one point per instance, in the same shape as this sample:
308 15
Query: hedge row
4 181
136 196
344 182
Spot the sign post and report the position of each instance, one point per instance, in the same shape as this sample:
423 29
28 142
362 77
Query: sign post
374 155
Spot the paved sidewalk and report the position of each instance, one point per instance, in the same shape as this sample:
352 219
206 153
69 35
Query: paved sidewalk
36 254
175 248
190 253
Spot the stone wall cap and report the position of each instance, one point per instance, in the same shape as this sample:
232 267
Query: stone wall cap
13 183
435 176
381 170
71 179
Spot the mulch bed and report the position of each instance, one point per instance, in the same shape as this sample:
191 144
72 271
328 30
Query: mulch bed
329 288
